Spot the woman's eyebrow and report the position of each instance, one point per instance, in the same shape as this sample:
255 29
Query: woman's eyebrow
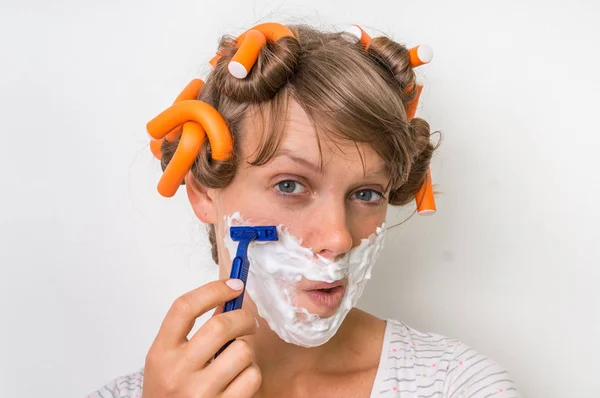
380 171
315 168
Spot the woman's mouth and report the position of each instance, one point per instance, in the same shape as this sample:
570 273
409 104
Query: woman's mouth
326 297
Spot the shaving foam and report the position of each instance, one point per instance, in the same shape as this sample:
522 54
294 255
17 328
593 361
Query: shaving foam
276 267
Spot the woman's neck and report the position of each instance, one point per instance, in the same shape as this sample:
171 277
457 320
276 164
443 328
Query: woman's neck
354 348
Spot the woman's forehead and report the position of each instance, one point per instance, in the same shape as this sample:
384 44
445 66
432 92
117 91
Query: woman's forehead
300 140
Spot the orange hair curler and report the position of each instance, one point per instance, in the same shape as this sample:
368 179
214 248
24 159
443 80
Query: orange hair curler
247 53
425 198
191 91
360 34
249 45
273 31
194 120
420 55
188 147
193 110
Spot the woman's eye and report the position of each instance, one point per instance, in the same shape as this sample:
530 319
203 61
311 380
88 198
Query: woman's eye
368 195
289 186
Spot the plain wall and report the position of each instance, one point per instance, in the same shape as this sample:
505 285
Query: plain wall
91 257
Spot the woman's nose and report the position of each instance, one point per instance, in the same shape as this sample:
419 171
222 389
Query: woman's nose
330 236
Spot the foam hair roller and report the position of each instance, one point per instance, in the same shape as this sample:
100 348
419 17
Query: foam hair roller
361 35
188 148
247 54
191 91
419 55
192 110
425 198
249 45
193 120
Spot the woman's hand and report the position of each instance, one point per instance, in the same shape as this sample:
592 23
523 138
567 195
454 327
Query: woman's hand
180 368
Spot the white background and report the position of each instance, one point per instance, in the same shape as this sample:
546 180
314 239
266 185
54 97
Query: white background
91 257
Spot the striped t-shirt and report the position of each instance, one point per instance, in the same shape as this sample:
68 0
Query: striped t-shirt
425 365
412 365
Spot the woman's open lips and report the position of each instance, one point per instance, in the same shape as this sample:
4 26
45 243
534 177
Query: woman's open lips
327 296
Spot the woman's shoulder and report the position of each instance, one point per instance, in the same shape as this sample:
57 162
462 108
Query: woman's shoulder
426 364
127 386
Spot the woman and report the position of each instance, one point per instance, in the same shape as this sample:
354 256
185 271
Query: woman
317 138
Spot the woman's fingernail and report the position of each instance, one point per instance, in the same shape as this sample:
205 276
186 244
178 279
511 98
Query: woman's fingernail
257 324
235 284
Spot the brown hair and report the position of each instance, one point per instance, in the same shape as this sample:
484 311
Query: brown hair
348 93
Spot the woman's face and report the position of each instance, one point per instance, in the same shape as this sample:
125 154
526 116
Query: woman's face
329 209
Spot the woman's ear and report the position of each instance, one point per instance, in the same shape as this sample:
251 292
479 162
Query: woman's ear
202 200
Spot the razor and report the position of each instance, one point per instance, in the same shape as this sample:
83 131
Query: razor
240 264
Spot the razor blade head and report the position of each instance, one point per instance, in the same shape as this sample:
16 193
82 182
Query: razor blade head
261 233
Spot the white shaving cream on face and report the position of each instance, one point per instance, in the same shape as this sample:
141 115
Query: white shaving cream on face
276 267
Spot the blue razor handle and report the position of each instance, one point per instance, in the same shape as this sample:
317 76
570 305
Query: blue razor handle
240 264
